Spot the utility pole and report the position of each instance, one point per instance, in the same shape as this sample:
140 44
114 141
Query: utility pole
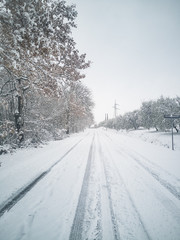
115 112
106 117
115 109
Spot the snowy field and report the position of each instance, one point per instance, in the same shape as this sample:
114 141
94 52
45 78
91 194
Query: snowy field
99 184
158 138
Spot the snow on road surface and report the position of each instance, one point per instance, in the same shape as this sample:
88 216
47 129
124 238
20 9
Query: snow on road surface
93 185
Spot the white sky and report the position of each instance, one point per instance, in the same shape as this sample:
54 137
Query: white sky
135 49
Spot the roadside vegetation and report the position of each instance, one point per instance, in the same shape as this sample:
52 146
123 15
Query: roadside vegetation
150 115
42 95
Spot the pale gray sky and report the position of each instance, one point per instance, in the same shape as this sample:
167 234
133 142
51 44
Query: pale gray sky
135 49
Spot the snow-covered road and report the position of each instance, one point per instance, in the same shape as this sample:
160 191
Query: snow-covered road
93 185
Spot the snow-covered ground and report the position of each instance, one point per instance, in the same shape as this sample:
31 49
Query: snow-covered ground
158 138
99 184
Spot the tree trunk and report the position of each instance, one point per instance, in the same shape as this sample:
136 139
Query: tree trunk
156 129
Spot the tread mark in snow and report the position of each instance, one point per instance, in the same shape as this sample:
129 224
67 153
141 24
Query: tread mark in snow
132 202
129 196
113 218
9 203
77 227
164 183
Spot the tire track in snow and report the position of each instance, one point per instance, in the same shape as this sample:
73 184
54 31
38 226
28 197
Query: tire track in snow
77 227
134 206
18 195
155 175
131 201
164 183
112 213
92 225
166 202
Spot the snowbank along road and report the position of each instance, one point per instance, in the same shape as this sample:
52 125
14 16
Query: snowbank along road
103 186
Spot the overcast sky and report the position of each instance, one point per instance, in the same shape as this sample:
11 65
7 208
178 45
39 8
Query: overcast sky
134 46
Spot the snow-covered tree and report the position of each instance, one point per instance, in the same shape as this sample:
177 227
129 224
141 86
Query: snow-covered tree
38 61
150 115
78 107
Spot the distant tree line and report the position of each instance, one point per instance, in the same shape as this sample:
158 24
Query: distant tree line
41 91
150 115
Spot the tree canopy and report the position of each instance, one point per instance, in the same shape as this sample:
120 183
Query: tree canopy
150 115
40 69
